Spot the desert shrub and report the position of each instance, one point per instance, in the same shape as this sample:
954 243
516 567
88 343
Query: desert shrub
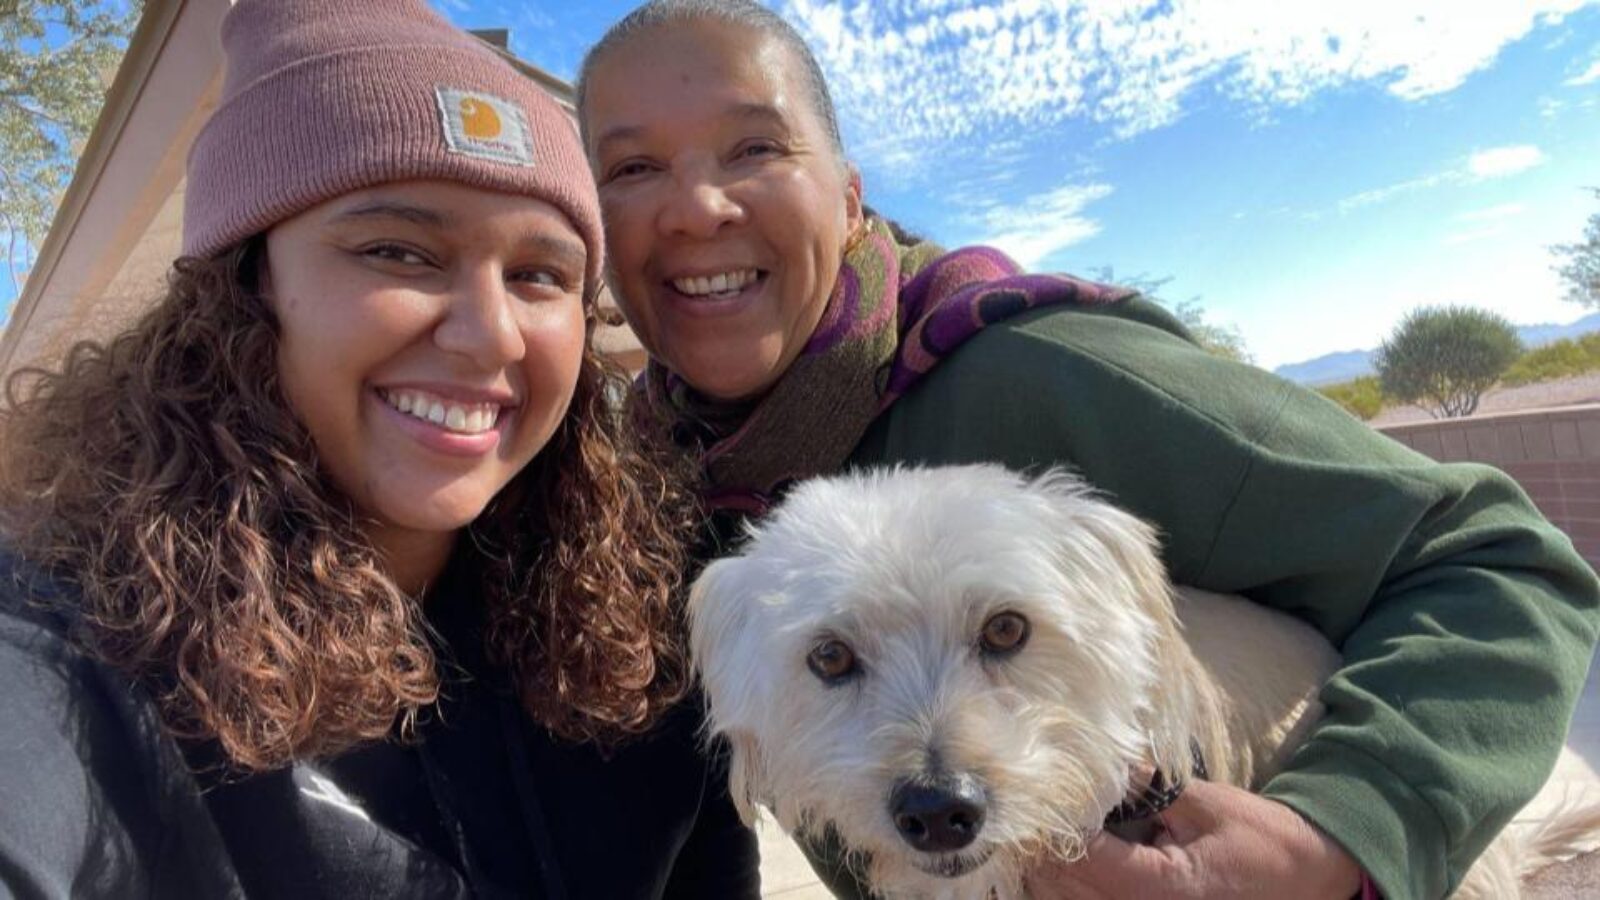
1580 263
1558 359
1224 340
1444 358
1361 397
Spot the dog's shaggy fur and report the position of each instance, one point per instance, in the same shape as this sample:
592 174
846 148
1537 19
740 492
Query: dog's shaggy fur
904 570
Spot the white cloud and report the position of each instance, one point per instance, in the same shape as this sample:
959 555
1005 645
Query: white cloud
1474 234
1379 195
1032 230
1484 165
1502 161
920 72
1588 76
535 18
1485 223
1493 213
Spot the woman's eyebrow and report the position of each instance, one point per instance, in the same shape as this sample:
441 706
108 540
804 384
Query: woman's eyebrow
761 112
618 135
558 250
765 113
384 209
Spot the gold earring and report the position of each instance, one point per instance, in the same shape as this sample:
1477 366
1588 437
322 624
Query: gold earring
857 235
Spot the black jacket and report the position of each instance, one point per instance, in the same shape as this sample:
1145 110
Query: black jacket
97 801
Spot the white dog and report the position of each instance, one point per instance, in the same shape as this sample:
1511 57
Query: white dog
960 669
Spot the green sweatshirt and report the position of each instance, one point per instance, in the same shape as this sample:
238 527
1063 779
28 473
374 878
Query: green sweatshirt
1466 621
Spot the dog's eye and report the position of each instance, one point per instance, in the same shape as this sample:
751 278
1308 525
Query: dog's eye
832 660
1004 633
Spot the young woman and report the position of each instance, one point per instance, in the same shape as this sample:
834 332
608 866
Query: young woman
791 334
331 576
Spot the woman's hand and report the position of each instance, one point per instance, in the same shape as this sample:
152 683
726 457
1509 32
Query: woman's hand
1216 842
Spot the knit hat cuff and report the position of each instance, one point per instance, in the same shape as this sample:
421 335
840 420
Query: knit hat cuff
353 119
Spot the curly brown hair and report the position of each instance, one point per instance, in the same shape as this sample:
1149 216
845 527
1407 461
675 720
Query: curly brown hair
164 478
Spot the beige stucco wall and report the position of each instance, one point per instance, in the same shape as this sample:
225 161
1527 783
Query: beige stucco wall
93 268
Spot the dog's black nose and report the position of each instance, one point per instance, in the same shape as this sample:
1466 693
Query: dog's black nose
940 814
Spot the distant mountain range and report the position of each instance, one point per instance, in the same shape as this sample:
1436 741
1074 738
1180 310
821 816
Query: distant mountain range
1336 367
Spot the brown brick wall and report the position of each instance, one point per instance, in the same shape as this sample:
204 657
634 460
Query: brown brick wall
1554 454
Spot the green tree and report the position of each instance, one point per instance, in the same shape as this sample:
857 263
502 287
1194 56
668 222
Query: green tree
1221 340
1444 358
1580 263
54 57
1361 397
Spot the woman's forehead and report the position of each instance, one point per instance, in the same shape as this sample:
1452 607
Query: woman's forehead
695 68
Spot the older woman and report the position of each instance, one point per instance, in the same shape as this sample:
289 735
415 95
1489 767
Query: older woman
332 576
792 334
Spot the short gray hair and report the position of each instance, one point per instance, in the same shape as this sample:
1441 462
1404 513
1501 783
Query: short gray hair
743 13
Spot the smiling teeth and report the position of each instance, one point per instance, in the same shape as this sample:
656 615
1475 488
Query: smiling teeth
462 418
725 283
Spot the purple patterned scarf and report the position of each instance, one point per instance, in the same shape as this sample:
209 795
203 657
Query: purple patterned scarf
895 312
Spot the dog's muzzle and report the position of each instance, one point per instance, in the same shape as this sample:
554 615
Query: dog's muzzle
939 814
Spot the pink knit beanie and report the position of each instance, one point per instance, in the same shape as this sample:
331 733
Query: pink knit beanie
325 97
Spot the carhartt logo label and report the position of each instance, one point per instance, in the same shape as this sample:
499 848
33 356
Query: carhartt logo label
484 126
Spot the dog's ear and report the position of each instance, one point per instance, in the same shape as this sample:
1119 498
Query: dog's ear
720 613
727 657
746 775
1133 547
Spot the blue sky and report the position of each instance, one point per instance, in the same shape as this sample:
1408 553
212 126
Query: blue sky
1310 170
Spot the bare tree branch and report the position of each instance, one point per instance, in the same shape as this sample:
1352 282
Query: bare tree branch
11 257
25 109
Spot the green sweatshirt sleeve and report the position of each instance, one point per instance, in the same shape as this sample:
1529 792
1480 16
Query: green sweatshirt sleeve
1467 622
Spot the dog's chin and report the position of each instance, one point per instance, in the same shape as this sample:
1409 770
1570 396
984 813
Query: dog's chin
952 865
